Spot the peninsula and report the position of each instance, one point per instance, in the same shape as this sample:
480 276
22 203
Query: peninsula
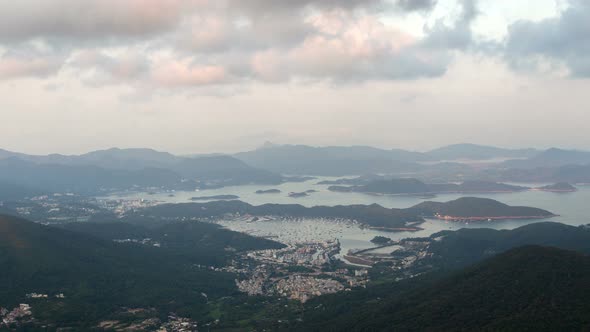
268 191
478 209
215 197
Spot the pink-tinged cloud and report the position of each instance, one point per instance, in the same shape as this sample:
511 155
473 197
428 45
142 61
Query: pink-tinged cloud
123 41
269 66
182 73
361 36
208 33
13 67
343 46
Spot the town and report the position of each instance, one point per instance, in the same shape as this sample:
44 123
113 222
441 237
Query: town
299 271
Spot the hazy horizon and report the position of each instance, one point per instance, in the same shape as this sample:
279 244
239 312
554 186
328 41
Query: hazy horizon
230 152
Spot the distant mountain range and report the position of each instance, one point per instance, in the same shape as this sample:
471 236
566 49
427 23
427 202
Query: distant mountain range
86 179
142 168
478 152
123 169
568 173
354 160
444 161
336 161
130 159
551 158
224 170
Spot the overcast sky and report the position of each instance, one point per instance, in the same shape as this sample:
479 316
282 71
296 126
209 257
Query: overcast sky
196 76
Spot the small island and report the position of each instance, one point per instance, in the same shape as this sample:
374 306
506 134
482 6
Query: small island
297 195
380 240
268 191
341 189
216 197
560 187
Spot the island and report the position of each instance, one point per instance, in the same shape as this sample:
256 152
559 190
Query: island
297 195
360 180
380 240
215 197
477 209
560 187
342 189
268 191
412 186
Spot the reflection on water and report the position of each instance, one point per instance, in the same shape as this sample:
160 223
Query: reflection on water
572 209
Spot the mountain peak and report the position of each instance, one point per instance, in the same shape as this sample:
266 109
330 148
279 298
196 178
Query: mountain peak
267 145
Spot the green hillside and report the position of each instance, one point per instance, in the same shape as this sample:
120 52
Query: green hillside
99 277
525 289
477 207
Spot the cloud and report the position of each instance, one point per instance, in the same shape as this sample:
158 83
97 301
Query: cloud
12 67
457 36
99 68
352 48
274 6
222 32
169 44
348 46
562 40
24 20
416 5
183 73
95 19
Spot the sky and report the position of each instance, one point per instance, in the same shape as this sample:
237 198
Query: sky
201 76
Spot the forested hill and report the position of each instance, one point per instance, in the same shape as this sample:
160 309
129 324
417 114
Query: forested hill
529 288
99 276
370 215
452 249
469 207
40 258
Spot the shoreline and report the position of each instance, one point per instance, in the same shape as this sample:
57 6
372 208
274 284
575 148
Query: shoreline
497 218
555 190
434 193
396 229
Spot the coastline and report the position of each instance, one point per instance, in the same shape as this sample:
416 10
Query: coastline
483 218
395 229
